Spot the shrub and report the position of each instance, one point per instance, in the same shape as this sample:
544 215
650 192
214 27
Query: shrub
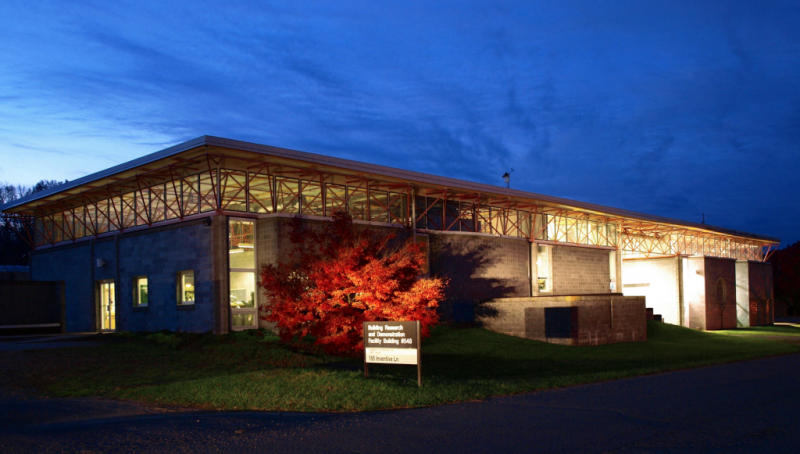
340 276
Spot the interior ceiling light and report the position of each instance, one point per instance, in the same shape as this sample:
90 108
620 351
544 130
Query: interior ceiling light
236 251
246 245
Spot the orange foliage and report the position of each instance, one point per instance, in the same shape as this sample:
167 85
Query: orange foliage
340 276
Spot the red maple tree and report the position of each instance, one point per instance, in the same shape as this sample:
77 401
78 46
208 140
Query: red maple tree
341 275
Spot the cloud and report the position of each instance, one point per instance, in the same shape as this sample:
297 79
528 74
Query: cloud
668 109
39 149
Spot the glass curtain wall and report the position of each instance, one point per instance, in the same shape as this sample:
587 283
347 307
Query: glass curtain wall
262 193
242 273
259 193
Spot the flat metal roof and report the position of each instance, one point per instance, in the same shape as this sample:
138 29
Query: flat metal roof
376 170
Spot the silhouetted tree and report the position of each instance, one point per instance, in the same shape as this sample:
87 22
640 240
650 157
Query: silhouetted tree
786 268
13 249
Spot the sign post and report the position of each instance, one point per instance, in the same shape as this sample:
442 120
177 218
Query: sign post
392 343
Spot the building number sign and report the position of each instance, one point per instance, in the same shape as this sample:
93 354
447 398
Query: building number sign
392 343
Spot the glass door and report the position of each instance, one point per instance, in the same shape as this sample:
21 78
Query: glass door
242 273
108 310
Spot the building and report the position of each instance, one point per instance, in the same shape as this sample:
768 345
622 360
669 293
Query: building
174 240
14 273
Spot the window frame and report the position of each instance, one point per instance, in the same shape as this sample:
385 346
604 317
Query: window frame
136 294
548 268
179 289
244 311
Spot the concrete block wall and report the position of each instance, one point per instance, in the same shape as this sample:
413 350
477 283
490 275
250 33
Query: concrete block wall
158 253
480 268
272 242
657 279
580 271
220 256
593 320
71 264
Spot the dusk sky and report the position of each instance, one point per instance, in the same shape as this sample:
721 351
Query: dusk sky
670 108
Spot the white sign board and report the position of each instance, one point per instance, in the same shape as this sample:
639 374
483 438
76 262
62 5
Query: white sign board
392 356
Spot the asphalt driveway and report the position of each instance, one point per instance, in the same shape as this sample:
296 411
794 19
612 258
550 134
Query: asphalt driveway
741 407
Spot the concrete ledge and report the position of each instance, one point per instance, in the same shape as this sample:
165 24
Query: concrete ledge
569 319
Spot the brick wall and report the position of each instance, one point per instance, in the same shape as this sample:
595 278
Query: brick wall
720 316
580 271
570 320
658 280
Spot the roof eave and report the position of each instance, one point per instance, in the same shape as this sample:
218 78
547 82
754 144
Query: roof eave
412 176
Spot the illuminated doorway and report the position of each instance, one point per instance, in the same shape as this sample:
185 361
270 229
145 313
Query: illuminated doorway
108 309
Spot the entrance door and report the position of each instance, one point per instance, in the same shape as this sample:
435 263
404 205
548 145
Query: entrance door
108 310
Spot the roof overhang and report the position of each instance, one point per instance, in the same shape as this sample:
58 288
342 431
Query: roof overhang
193 149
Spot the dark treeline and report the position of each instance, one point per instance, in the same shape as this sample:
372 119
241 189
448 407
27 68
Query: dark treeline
13 250
786 267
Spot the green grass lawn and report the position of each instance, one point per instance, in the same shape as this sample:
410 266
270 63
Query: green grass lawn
784 330
254 370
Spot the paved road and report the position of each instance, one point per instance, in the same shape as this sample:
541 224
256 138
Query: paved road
741 407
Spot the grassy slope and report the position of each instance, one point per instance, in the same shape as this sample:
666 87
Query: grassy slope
255 371
781 330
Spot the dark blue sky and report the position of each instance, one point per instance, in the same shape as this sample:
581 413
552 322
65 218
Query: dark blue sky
671 108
